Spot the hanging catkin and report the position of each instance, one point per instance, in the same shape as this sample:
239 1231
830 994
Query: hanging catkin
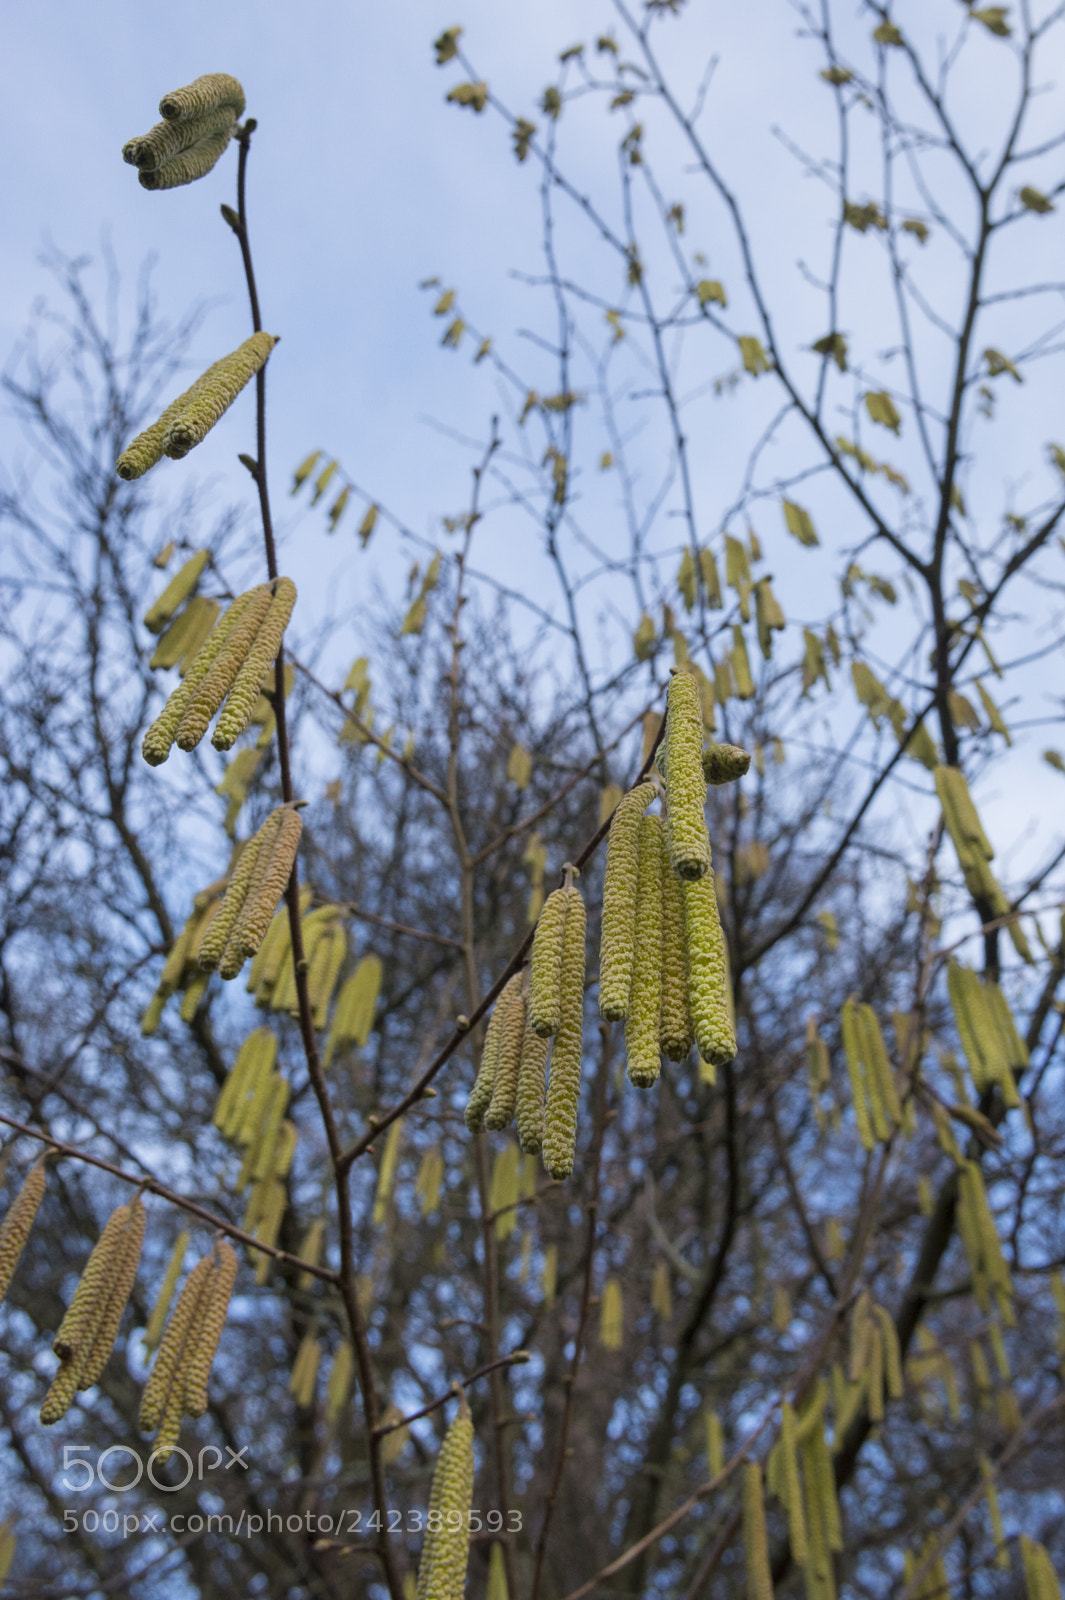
179 1378
564 1083
196 161
19 1220
675 1034
724 763
176 592
169 139
446 1545
792 1495
689 843
87 1331
500 1112
216 938
481 1094
641 1023
708 982
755 1544
255 667
532 1079
156 1322
546 965
341 1373
187 420
619 903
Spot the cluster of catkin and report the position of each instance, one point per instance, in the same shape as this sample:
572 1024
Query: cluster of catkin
874 1370
541 1009
877 1108
446 1546
181 969
663 963
250 1112
231 665
981 1243
353 1015
973 849
178 1383
88 1331
258 880
799 1474
188 420
993 1047
198 123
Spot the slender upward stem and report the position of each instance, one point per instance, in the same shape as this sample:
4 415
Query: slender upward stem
346 1274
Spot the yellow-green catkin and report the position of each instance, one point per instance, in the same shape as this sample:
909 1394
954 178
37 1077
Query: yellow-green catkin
641 1022
156 744
481 1093
207 93
8 1544
255 1057
19 1220
196 161
176 592
564 1083
183 637
161 1309
169 139
755 1543
446 1545
338 1388
215 396
354 1011
725 763
240 702
532 1082
496 1588
892 1355
505 1190
675 1035
325 970
612 1316
387 1171
1002 1554
76 1340
212 689
859 1093
1040 1580
207 1328
429 1181
619 903
689 843
274 869
709 989
715 1444
216 938
301 1384
545 967
792 1495
168 1361
501 1106
124 1270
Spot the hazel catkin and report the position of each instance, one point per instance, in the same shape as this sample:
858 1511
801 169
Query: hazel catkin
19 1220
708 982
445 1548
222 923
532 1078
500 1113
675 1034
481 1093
249 681
564 1082
226 663
209 92
689 843
546 965
254 920
619 903
641 1022
160 736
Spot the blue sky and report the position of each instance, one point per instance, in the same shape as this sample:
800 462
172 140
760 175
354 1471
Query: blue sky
363 182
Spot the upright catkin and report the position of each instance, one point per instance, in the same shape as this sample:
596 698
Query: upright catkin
242 697
546 965
500 1112
169 139
675 1035
481 1093
564 1082
194 162
755 1543
445 1548
641 1023
619 903
689 843
19 1220
708 982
